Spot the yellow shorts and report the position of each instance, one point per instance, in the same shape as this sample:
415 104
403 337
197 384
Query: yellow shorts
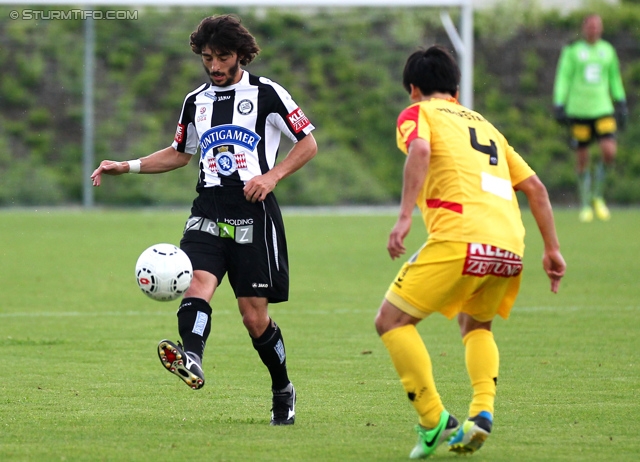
585 131
453 277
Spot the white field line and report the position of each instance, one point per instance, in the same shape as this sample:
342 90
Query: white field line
62 314
292 210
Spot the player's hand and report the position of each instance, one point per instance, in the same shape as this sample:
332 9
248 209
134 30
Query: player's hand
560 115
621 114
258 187
109 167
555 266
400 230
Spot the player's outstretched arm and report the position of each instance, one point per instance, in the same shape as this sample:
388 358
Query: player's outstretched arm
160 161
552 260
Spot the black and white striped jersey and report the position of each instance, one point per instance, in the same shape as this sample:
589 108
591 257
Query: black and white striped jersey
236 129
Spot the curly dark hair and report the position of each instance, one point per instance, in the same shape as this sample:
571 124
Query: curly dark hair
225 34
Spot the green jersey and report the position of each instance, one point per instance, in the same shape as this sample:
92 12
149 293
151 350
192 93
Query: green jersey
587 79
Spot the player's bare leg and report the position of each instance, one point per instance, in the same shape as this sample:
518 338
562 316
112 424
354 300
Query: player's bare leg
609 148
584 184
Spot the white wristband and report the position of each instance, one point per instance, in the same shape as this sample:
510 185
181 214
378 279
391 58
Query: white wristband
134 165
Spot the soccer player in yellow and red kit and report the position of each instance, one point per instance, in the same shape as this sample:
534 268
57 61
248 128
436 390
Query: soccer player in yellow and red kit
462 174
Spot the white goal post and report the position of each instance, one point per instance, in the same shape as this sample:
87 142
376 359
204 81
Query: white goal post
463 43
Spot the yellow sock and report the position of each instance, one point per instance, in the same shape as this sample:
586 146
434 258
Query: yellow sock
413 364
483 361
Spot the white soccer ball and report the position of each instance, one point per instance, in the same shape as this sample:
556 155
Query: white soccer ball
164 272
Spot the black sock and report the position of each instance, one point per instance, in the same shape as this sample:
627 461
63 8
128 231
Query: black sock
270 347
194 324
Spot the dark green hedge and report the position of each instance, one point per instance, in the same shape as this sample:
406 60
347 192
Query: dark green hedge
342 66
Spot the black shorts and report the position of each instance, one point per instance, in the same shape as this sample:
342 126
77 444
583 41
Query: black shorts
585 131
228 234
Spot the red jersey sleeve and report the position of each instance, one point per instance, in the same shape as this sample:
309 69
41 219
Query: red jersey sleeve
411 125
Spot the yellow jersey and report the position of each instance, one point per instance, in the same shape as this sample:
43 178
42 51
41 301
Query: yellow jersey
468 193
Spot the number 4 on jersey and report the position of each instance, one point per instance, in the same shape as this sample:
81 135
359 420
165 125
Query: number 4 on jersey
491 150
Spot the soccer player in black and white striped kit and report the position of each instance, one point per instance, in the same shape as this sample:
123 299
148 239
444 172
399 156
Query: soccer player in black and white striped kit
232 125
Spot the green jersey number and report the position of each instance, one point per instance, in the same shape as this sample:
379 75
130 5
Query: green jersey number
593 73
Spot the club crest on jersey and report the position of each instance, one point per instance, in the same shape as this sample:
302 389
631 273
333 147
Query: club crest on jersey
239 157
245 107
226 163
228 134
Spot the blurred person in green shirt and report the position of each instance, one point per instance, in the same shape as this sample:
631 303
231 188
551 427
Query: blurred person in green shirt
589 97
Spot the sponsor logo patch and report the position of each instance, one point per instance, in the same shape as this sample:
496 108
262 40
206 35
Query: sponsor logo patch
279 349
483 260
241 234
214 97
203 116
180 133
200 324
298 120
228 134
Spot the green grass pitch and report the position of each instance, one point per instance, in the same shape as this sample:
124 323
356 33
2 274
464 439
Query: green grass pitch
81 380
